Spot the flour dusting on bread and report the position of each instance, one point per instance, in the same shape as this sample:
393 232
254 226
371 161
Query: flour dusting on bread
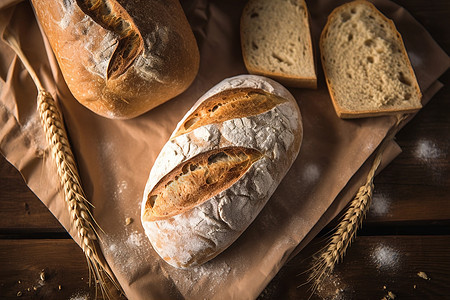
67 9
196 234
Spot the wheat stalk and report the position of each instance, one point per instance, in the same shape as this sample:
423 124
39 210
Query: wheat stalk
78 206
325 261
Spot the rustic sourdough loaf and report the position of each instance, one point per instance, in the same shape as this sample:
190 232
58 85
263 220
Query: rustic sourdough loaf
366 66
222 163
121 58
276 41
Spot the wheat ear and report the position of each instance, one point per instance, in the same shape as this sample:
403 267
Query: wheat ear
325 261
78 206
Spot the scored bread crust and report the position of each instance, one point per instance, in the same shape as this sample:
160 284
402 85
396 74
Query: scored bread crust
162 63
346 113
199 233
284 78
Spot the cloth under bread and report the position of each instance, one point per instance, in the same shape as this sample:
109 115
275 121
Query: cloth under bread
114 156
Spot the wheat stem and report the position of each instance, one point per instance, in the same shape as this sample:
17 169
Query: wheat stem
78 206
325 261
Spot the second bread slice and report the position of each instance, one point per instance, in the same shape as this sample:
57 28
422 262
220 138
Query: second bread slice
276 41
365 63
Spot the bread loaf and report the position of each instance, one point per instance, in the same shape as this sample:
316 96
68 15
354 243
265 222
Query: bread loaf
121 58
276 41
221 165
366 66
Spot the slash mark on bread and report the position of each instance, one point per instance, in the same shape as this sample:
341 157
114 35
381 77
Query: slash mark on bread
227 105
198 179
111 16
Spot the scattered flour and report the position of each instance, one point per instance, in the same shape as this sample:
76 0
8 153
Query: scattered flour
208 276
80 296
311 174
123 185
127 251
380 205
121 188
113 248
385 257
33 129
107 156
135 239
427 150
217 272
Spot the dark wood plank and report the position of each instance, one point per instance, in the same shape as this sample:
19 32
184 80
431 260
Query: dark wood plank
372 267
63 263
416 185
20 210
433 15
371 263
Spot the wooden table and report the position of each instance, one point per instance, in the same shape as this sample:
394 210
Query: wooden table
407 230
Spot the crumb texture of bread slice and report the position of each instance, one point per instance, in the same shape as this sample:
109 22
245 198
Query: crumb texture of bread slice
276 41
366 65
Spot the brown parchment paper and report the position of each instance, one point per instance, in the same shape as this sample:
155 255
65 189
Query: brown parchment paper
115 156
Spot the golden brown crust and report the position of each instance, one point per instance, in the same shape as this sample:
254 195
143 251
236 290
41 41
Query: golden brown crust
113 17
343 113
238 103
115 72
291 81
198 179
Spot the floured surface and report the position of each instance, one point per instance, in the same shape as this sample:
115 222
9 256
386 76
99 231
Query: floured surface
115 157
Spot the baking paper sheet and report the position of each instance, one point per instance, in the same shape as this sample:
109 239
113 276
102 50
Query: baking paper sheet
115 156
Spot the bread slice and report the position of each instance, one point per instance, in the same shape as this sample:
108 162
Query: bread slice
276 41
366 66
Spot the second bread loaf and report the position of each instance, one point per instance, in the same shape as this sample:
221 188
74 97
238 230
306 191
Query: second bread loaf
121 58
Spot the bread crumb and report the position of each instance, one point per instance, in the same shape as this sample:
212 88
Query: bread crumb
390 296
423 275
331 287
59 287
19 293
128 221
415 286
42 275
